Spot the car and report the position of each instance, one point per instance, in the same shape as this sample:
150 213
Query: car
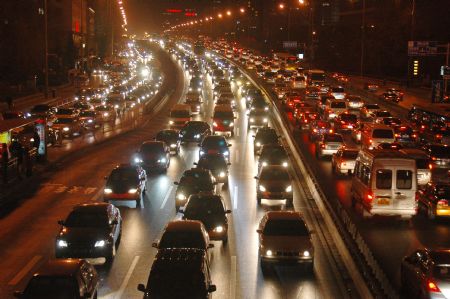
259 103
194 131
329 145
184 234
62 278
193 181
390 97
91 230
68 126
389 121
125 182
171 139
422 164
372 87
345 121
215 144
66 112
217 164
379 115
90 119
291 101
265 135
107 112
179 273
425 274
354 102
337 92
318 128
306 119
343 161
368 109
274 182
389 146
434 199
273 154
223 119
257 118
211 211
439 155
312 93
284 238
333 108
196 84
396 91
194 100
250 94
153 155
299 108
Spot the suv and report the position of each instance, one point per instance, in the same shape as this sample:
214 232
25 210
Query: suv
62 278
217 164
210 210
273 154
284 237
179 273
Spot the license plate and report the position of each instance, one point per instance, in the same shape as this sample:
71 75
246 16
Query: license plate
405 136
383 201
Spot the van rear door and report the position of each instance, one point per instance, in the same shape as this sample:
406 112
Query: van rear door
404 188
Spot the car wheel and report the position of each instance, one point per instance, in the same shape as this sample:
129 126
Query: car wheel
289 202
258 200
111 254
431 214
265 267
225 240
138 202
310 267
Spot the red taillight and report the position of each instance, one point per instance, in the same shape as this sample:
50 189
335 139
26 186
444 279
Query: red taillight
370 141
331 130
430 166
315 130
397 135
433 158
414 135
322 145
432 287
306 120
369 196
442 202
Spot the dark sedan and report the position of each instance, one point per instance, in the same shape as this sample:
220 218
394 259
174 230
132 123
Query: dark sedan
217 164
171 138
215 145
194 131
91 230
126 182
193 181
264 136
274 182
153 155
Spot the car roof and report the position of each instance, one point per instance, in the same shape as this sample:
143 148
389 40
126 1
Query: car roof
184 225
60 267
178 258
270 168
440 256
93 206
284 215
152 142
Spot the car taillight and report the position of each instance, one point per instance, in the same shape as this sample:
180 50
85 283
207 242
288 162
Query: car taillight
433 158
306 120
322 145
331 130
442 202
315 130
432 287
369 196
430 166
397 135
370 141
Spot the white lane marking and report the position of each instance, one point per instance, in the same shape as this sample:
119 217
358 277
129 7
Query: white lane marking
166 197
233 278
25 270
235 197
127 278
236 156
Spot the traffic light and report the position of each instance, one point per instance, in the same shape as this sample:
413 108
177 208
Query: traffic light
416 67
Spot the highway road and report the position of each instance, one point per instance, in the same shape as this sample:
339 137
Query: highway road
29 230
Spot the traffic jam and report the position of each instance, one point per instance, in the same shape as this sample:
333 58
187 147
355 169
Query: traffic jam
381 164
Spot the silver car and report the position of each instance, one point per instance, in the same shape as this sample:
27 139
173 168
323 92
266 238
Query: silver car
329 145
426 274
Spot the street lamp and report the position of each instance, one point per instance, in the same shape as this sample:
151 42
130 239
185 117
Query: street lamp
242 10
219 15
228 13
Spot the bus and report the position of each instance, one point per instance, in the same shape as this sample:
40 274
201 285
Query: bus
315 77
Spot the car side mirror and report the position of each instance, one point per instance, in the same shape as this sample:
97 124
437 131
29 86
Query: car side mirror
114 222
155 244
228 212
253 136
61 222
229 144
141 288
256 178
181 210
212 288
195 163
210 245
259 231
17 294
176 183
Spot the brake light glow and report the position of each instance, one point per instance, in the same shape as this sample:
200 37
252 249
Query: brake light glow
315 130
370 141
432 287
442 202
430 166
370 196
322 145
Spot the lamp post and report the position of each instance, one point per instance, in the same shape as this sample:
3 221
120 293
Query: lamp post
45 49
363 28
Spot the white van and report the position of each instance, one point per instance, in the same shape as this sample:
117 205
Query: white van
179 115
335 107
384 183
374 134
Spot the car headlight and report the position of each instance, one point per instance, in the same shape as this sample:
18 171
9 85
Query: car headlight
231 124
199 89
173 145
265 120
90 121
170 122
132 191
137 160
306 253
201 153
258 144
162 160
269 252
252 120
116 106
214 124
100 243
197 136
190 88
222 174
226 153
107 190
289 188
285 164
219 229
266 108
66 129
106 114
62 243
181 196
264 163
262 188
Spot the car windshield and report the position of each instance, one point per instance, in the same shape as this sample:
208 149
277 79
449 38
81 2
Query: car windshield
348 117
442 191
123 174
198 206
338 105
273 152
195 126
182 239
55 287
372 106
64 111
87 114
269 136
102 108
180 113
212 162
224 114
382 114
332 138
439 151
383 133
351 155
64 121
200 178
292 227
214 142
80 218
167 135
337 89
271 174
441 272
